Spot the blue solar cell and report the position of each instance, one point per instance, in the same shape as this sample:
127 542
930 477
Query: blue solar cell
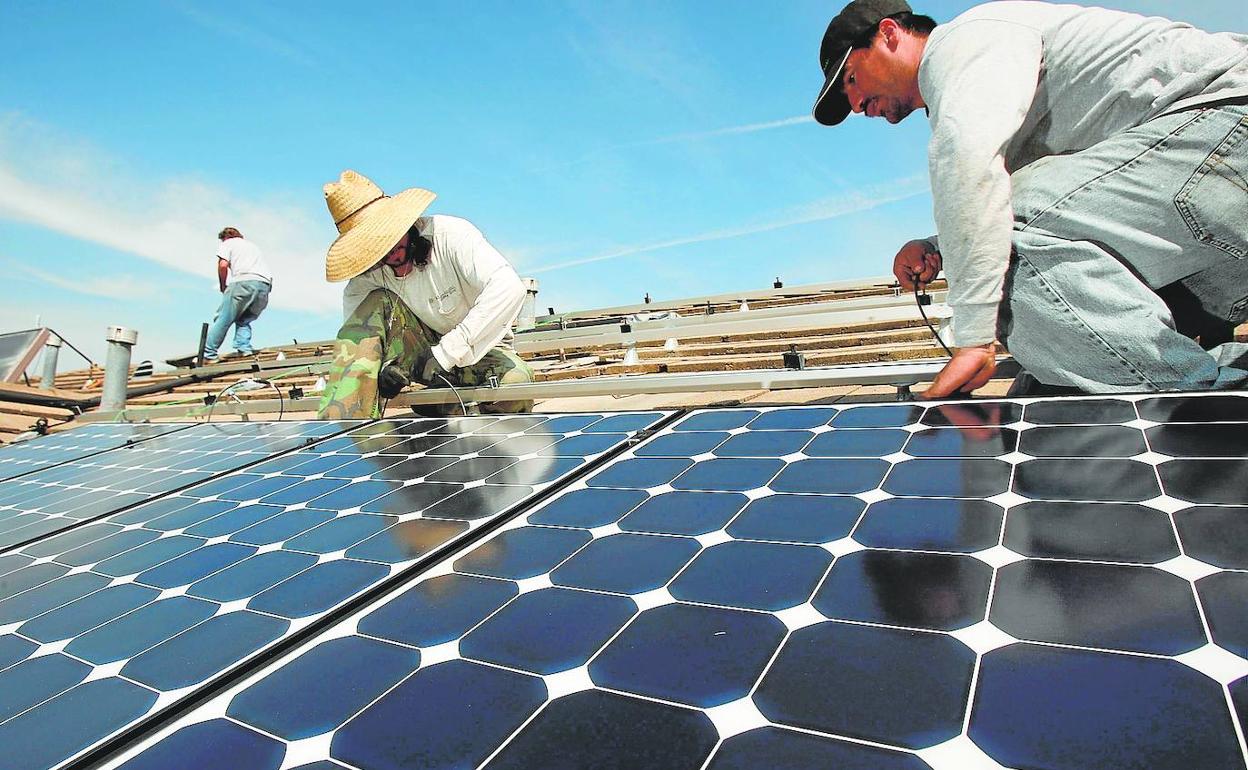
251 576
206 745
877 417
1222 596
772 443
761 576
234 520
27 577
131 634
191 515
1083 441
779 749
67 540
339 534
1109 711
13 648
589 507
1138 609
700 656
626 733
72 721
626 563
318 588
624 423
37 679
729 475
318 691
860 442
1097 531
684 513
719 419
88 612
680 444
479 502
536 470
49 596
354 495
206 649
409 540
195 565
797 518
148 555
892 685
1215 535
1087 479
449 715
522 553
365 466
923 524
437 610
792 419
412 499
547 631
918 590
972 442
565 423
257 488
639 473
1214 482
281 527
1083 412
950 478
583 445
832 477
304 491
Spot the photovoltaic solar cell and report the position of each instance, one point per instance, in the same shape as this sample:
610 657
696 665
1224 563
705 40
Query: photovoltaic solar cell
56 498
46 451
126 615
1008 585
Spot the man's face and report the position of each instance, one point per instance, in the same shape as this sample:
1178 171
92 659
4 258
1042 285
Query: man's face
879 82
396 259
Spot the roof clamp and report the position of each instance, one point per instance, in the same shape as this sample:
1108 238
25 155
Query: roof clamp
793 359
903 391
492 381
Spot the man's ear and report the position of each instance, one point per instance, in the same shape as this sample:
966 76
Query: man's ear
890 30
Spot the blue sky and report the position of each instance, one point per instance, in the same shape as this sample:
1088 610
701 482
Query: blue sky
608 148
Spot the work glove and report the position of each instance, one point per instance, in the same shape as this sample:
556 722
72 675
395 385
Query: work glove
390 380
432 372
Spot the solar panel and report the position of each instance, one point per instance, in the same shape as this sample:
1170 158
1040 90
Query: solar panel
57 498
46 451
994 584
113 621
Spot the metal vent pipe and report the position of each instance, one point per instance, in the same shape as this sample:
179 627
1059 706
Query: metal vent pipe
117 366
51 352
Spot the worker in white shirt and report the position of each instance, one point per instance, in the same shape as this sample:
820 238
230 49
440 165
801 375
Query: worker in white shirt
428 300
1088 176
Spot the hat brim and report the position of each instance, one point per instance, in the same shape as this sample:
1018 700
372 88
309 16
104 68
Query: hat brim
381 226
832 106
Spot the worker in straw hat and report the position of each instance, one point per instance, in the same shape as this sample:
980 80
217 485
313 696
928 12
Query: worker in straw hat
428 299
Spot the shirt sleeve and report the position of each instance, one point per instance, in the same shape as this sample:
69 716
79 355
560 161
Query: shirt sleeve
357 289
979 81
223 251
500 293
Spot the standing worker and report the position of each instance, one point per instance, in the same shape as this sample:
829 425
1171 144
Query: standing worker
1088 175
428 299
245 281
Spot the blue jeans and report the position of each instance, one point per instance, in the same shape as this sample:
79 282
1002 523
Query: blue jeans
242 303
1101 235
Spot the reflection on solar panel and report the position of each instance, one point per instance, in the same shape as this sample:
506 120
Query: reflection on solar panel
62 497
46 451
110 622
1053 584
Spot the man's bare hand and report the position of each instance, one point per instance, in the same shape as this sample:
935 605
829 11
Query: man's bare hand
917 262
970 368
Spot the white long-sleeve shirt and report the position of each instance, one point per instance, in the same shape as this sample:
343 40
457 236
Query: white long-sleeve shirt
468 292
1008 83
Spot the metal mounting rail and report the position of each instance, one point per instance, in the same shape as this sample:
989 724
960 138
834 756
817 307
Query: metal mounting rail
905 373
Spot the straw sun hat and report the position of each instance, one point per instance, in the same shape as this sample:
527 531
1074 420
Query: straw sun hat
369 222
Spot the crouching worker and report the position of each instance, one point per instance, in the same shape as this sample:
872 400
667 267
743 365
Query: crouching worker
428 300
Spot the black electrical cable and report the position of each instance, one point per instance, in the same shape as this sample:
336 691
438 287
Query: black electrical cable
931 328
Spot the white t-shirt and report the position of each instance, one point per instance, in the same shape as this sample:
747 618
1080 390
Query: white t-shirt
468 292
246 261
1011 82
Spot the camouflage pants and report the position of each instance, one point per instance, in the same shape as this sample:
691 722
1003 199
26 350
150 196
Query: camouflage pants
384 331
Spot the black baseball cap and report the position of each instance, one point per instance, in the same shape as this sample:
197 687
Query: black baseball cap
855 20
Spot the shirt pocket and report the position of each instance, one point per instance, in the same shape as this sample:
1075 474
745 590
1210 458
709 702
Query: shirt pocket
1214 201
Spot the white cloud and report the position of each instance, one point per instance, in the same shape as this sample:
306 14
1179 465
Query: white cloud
122 287
60 184
816 211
